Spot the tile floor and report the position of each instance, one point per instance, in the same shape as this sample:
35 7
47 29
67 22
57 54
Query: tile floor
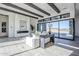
17 47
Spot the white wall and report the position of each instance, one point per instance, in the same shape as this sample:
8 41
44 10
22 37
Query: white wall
14 23
17 25
34 23
77 20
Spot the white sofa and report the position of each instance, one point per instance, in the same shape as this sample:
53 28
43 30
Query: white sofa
46 33
32 41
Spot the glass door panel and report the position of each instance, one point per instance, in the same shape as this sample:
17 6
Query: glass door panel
3 27
47 27
66 29
54 28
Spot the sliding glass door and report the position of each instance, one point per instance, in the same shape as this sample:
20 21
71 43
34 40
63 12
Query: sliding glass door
66 29
62 29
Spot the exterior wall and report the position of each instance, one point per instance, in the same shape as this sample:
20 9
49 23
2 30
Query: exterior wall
14 23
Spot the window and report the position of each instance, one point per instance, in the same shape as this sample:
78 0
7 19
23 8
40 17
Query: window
41 27
3 29
47 19
41 20
3 24
65 15
55 17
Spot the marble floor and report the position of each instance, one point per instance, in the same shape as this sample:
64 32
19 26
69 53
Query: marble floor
18 47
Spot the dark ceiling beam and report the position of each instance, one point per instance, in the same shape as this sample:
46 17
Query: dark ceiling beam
19 8
37 8
53 6
1 8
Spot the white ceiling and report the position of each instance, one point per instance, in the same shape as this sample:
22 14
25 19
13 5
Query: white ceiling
43 6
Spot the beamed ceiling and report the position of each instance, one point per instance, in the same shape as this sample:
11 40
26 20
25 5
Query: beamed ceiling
35 10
